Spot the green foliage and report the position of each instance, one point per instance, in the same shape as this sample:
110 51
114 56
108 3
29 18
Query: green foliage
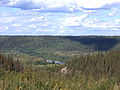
87 71
98 71
8 63
47 80
57 47
97 65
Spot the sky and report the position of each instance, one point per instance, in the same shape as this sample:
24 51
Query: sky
60 17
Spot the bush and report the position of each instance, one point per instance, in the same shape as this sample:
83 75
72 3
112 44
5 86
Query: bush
8 63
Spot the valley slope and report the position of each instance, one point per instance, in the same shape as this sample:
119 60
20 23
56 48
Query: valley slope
56 47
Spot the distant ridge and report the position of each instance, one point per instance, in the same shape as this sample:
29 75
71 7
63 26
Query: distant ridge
58 47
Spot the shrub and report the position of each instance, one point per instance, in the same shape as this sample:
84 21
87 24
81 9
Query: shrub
9 64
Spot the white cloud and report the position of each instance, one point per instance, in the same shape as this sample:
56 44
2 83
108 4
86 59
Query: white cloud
114 11
59 5
8 19
95 3
62 31
16 25
45 30
45 24
117 29
32 26
3 28
35 19
117 21
74 21
93 20
94 23
19 30
35 22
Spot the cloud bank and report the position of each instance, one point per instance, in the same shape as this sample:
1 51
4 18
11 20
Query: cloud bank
61 5
62 17
27 22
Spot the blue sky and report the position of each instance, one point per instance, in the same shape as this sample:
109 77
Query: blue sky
60 17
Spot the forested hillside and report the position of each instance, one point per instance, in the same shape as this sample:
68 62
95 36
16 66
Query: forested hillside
56 47
96 65
92 63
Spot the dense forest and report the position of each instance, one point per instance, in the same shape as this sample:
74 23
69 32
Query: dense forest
57 47
98 71
91 63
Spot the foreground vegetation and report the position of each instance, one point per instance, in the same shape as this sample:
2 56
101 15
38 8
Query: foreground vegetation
97 71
